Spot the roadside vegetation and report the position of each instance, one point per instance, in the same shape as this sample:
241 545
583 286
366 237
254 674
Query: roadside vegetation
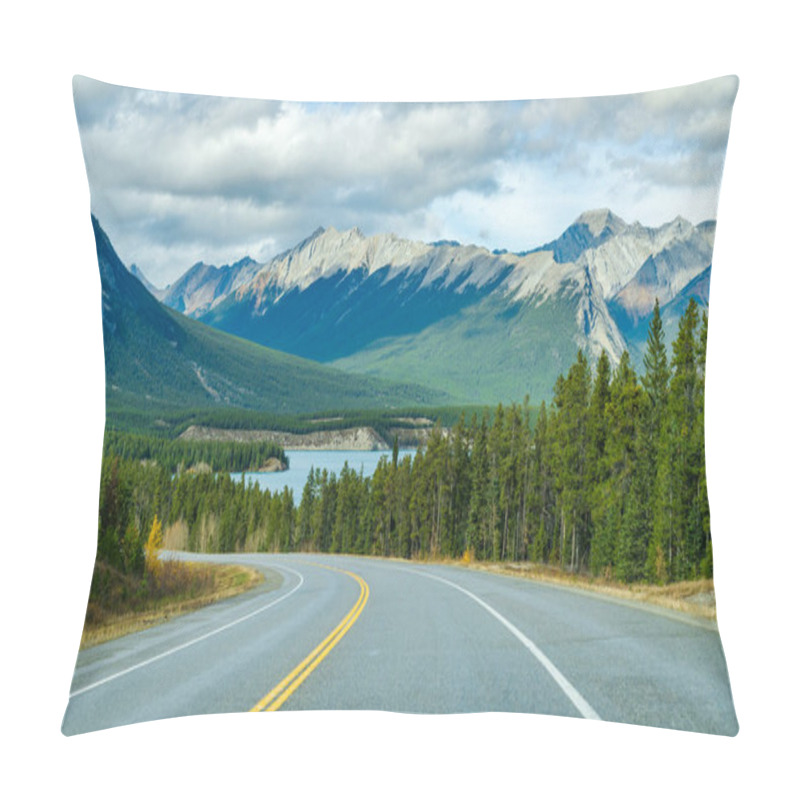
125 600
607 480
693 597
606 484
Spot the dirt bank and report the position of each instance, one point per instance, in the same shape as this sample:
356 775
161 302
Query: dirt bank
346 439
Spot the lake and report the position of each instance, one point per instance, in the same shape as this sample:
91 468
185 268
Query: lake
301 461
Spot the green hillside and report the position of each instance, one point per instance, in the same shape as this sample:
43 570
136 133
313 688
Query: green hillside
488 353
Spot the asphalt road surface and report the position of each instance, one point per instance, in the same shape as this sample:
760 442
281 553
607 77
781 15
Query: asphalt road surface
342 632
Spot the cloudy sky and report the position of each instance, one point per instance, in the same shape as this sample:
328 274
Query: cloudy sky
177 178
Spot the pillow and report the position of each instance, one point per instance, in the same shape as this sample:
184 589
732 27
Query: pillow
404 407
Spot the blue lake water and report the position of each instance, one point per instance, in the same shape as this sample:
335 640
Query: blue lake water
302 461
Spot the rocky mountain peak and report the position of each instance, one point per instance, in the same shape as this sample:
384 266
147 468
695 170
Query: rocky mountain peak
368 288
679 226
597 220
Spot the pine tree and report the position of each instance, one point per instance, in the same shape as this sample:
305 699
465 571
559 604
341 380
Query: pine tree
496 499
655 381
572 447
598 468
656 364
598 423
702 556
542 489
674 529
460 488
114 514
305 513
624 413
479 481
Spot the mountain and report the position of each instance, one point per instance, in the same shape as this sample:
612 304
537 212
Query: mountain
590 230
671 313
198 288
336 293
484 326
142 278
157 357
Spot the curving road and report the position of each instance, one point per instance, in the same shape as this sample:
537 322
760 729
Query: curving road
342 632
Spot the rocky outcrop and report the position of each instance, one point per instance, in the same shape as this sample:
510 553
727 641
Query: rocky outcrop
273 465
362 438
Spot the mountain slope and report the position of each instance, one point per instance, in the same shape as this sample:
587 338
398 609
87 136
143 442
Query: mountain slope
156 356
671 313
456 317
337 293
526 345
202 285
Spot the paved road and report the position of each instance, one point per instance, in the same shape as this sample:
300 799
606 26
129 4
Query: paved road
341 632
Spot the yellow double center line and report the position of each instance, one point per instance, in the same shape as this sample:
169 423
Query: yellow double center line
284 690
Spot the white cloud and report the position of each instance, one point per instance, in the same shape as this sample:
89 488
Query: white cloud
178 178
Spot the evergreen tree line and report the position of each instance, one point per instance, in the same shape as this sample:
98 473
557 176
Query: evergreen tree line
164 421
176 455
219 514
608 479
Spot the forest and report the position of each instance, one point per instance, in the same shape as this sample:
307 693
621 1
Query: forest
165 421
176 455
607 479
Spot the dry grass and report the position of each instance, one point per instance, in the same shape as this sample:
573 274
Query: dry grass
128 605
176 536
695 598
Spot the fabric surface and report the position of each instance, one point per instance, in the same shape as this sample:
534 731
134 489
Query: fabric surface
404 407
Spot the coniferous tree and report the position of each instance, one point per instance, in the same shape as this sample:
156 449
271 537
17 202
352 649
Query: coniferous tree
402 504
703 554
655 383
115 512
572 446
479 481
656 364
598 467
677 471
542 488
305 513
598 419
624 413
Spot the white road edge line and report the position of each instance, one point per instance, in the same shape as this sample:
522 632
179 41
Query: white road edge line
192 641
569 690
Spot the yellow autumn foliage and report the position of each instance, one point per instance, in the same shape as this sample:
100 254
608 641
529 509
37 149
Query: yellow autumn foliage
152 549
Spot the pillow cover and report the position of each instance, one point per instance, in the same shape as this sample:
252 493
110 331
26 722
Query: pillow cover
404 407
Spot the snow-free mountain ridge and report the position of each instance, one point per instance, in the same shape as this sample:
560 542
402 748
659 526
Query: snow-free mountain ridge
369 303
156 358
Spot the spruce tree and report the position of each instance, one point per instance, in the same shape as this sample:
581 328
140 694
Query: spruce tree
655 381
542 500
674 528
597 467
624 412
601 392
656 364
479 481
702 556
572 446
